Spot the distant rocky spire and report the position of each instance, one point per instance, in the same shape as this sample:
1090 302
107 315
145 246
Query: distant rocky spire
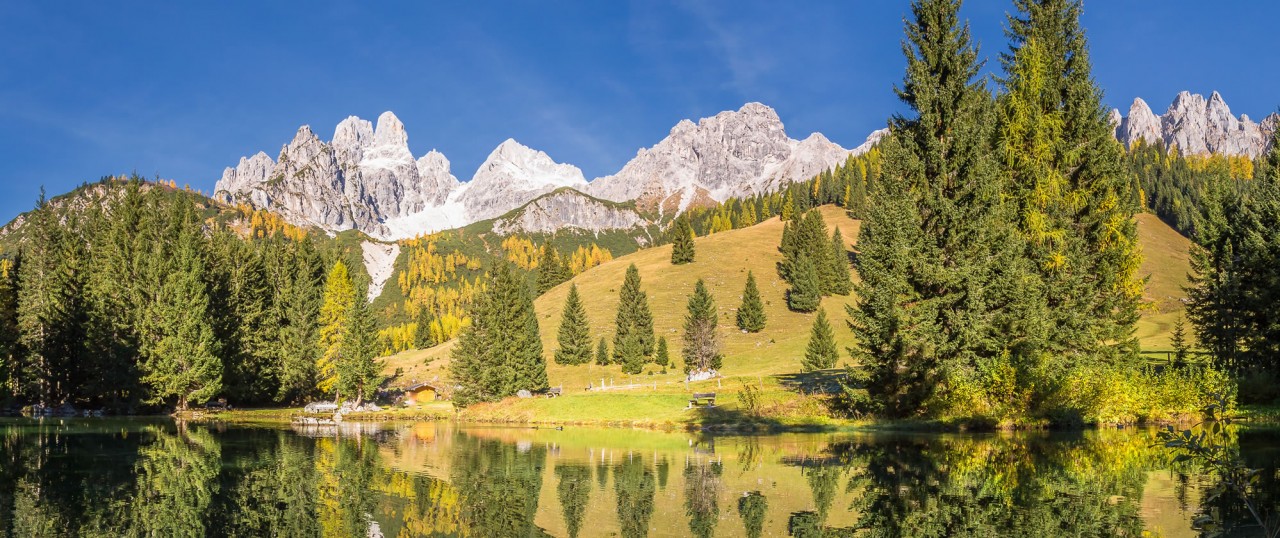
1197 126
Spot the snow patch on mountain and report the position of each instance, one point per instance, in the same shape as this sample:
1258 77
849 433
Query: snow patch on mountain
380 262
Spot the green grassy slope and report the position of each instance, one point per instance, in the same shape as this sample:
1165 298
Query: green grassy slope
770 356
723 260
1166 260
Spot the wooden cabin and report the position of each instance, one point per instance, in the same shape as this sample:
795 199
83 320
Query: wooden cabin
421 393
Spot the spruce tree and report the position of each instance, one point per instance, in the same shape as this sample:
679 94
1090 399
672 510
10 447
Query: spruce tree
1068 180
631 355
806 290
790 249
114 301
682 249
602 353
821 353
937 260
48 314
1233 297
633 315
701 343
1179 342
339 298
788 207
241 297
297 311
183 363
839 282
551 269
574 336
9 350
422 335
500 353
357 370
662 357
751 316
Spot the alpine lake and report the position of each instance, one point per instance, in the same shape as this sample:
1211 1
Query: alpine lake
158 477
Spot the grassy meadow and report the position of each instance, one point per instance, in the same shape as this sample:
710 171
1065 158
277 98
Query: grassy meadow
769 359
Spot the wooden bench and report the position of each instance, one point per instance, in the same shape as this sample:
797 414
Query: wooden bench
698 397
554 392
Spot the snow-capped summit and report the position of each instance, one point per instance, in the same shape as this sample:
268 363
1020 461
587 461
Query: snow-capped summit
512 175
733 153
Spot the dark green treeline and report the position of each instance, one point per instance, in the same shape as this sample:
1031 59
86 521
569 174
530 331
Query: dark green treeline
145 300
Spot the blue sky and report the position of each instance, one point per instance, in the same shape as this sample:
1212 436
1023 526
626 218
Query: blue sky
183 89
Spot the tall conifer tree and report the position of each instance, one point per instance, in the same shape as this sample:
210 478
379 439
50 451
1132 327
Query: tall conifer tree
602 352
806 289
501 352
633 316
821 352
701 343
662 357
1068 179
1234 300
357 369
929 252
631 355
184 362
682 249
297 312
339 298
751 316
48 313
574 336
839 283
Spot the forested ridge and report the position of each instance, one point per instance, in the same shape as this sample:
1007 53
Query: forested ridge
149 296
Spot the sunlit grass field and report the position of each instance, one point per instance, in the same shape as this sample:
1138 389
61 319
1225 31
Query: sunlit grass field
654 398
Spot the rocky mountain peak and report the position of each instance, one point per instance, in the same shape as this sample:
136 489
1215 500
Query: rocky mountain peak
432 163
303 138
367 178
350 138
732 153
512 175
390 131
1140 124
1197 126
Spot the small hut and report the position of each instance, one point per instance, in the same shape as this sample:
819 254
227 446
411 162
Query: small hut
421 393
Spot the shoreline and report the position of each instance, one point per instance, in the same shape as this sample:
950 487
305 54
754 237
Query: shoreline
1252 416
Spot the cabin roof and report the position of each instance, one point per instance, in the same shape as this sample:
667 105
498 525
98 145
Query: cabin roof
419 386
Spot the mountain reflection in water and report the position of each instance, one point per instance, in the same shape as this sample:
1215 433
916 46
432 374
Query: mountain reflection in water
134 477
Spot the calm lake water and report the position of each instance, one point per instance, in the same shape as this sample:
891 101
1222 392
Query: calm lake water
157 478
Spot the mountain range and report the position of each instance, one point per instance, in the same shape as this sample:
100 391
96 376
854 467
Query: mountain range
1195 126
366 178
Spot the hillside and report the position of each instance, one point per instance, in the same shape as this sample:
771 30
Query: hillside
1167 259
723 259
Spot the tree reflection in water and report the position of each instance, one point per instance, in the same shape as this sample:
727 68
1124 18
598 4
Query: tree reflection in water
158 478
